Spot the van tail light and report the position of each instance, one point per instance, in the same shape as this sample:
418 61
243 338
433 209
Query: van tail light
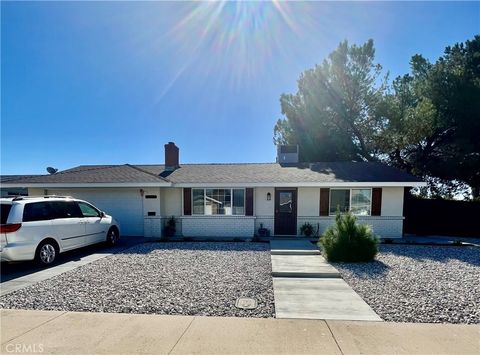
10 228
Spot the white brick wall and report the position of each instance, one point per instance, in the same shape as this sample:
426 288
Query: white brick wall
267 221
153 227
384 227
218 226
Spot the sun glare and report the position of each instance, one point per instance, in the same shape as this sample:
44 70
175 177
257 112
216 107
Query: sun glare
241 37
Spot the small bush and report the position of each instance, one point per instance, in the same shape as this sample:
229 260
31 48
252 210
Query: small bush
306 229
170 228
348 241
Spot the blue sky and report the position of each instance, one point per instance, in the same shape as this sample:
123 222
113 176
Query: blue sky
111 83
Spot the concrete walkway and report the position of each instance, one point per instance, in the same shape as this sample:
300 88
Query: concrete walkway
306 286
54 332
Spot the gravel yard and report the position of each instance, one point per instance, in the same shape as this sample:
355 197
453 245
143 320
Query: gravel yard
425 284
162 278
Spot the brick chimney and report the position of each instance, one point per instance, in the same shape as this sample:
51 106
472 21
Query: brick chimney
171 156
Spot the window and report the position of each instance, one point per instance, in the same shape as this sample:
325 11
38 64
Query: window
361 202
339 200
38 211
67 209
357 201
218 202
88 210
198 201
4 212
238 202
285 205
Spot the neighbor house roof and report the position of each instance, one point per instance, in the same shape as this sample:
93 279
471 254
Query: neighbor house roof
7 178
266 174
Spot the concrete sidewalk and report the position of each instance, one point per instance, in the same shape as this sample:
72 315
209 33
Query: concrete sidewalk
54 332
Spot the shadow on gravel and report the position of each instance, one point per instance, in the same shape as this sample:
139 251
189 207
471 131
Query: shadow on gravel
469 255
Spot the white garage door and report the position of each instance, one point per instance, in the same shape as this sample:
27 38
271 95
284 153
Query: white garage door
125 205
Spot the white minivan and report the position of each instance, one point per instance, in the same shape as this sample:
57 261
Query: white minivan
39 228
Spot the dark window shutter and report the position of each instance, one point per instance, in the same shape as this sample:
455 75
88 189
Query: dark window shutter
324 201
376 201
187 201
249 201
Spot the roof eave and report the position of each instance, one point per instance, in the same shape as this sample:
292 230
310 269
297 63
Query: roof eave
89 185
223 184
307 184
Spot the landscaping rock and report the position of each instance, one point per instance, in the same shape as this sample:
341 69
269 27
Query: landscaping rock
422 284
162 278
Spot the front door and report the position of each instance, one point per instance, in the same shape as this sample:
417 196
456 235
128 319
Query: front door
285 211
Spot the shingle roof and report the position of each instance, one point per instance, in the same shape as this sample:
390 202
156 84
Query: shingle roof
271 173
8 178
277 173
96 174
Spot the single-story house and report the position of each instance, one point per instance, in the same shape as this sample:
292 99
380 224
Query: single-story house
235 200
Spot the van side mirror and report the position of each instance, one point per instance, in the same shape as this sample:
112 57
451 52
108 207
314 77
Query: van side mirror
102 214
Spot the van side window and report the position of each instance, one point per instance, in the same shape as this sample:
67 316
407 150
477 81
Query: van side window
88 210
38 211
66 209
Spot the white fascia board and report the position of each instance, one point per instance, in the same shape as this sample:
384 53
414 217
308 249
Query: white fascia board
305 184
89 185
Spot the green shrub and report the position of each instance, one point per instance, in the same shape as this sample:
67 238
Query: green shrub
348 241
306 229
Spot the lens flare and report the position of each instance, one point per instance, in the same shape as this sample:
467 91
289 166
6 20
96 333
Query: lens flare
243 39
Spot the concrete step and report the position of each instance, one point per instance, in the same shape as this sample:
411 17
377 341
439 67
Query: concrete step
293 247
302 266
295 252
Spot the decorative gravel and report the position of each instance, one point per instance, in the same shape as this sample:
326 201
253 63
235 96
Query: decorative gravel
162 278
425 284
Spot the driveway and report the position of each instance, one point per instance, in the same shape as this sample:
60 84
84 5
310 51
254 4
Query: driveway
13 270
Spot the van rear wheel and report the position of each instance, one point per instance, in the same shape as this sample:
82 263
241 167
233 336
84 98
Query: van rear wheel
47 253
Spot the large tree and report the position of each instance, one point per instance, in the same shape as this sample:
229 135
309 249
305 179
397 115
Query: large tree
333 116
426 122
433 120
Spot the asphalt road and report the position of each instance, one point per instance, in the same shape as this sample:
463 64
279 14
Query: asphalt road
13 270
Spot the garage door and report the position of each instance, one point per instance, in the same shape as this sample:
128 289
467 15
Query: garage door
125 205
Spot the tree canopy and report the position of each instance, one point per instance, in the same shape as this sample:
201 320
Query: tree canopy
426 122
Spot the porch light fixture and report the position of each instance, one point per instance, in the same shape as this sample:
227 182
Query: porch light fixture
269 196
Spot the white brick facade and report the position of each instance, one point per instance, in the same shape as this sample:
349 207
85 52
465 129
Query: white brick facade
153 227
139 215
384 227
218 226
